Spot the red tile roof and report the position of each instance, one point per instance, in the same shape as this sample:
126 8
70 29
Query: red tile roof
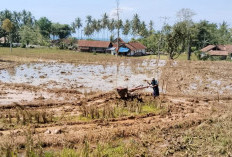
137 45
208 48
227 48
130 47
92 43
218 53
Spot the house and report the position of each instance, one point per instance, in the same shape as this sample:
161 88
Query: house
222 51
130 49
136 49
126 49
94 46
3 40
118 40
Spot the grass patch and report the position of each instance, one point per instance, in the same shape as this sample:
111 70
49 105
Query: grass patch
25 55
150 109
120 109
28 55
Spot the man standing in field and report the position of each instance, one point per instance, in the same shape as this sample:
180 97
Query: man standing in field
155 87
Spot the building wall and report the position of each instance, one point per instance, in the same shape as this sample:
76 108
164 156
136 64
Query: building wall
137 52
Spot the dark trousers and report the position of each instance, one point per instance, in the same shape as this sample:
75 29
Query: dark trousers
156 91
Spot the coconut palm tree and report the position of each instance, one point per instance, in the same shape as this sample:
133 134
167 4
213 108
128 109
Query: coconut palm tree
143 30
126 28
78 24
88 19
136 25
27 18
73 26
105 22
98 28
111 26
94 25
119 25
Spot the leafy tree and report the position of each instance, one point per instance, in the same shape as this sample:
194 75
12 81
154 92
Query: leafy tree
185 16
29 35
7 25
151 42
6 14
55 30
15 18
205 34
184 30
64 31
151 28
173 36
45 26
60 30
224 37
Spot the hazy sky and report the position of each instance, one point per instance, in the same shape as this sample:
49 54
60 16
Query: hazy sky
65 11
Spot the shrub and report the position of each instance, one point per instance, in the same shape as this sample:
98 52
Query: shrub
201 56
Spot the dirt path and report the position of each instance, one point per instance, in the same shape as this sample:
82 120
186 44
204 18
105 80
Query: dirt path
179 112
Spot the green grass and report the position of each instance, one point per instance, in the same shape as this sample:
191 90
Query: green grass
29 55
117 148
150 109
69 153
131 108
120 149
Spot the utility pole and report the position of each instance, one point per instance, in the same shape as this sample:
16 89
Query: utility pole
117 1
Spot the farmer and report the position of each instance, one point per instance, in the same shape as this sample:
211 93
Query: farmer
155 87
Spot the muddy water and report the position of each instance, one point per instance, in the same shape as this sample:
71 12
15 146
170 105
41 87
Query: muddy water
96 77
84 78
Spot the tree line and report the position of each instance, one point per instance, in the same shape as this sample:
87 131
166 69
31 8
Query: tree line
183 36
27 29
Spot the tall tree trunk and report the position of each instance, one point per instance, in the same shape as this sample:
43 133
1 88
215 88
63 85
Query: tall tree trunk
189 49
10 42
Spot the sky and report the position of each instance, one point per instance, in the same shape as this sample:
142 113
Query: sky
65 11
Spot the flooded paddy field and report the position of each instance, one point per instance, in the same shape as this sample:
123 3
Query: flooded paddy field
80 78
87 78
66 104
